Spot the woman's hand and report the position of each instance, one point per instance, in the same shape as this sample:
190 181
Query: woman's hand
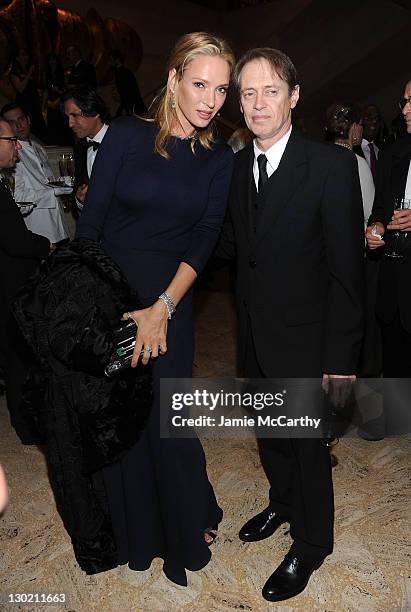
374 234
151 338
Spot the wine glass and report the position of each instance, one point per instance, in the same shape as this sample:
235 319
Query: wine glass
395 251
63 165
70 167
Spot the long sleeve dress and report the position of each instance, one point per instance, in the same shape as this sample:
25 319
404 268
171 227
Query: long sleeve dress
150 214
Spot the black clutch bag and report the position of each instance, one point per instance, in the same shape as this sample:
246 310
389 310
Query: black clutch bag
125 339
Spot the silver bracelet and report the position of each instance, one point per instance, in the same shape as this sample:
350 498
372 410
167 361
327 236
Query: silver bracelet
169 304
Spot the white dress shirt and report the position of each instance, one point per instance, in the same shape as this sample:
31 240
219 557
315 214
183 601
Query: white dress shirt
366 150
273 155
91 154
407 194
367 187
32 173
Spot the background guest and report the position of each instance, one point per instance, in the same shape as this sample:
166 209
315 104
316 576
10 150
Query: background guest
131 101
88 118
27 96
20 253
80 72
44 212
58 132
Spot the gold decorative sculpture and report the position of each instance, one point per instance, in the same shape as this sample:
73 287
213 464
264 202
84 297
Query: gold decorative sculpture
42 28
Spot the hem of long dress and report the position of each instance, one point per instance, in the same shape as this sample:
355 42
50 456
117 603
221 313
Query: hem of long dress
176 575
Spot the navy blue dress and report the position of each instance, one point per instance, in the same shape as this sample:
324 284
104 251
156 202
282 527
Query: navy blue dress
150 214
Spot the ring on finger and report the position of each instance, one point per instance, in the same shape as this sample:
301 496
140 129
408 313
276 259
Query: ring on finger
149 349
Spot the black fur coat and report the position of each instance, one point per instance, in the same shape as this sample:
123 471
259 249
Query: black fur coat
88 421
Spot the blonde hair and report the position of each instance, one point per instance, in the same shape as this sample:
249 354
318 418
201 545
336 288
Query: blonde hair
187 48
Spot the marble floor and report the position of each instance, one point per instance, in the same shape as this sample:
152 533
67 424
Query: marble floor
368 572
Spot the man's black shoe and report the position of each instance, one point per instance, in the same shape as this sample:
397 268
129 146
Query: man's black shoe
261 526
290 578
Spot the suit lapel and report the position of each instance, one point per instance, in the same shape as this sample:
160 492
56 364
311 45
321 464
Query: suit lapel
399 172
283 184
245 176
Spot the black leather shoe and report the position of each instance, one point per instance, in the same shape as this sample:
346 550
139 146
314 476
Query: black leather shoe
290 578
261 526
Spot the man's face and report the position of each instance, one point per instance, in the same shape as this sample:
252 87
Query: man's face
81 126
371 122
8 148
19 123
266 102
406 111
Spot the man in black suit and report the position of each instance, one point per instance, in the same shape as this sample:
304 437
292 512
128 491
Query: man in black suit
394 291
81 73
128 90
88 117
295 227
20 253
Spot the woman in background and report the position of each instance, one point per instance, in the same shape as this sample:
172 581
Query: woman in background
156 202
345 127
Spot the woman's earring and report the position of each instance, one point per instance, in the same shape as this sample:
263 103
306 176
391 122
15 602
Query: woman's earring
173 100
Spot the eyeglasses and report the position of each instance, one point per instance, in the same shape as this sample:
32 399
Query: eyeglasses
403 103
12 139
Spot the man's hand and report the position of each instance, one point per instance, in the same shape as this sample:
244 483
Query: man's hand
400 221
81 192
374 235
338 388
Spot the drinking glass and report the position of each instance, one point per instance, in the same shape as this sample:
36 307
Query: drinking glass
63 164
395 250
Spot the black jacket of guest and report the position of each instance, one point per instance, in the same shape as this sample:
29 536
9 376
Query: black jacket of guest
129 92
20 249
394 290
300 274
82 74
20 254
66 316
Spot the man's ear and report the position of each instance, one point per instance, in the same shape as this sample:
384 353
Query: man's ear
295 95
172 79
241 107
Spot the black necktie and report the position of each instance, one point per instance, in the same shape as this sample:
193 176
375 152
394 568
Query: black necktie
262 171
92 143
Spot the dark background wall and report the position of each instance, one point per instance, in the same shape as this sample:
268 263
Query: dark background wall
352 49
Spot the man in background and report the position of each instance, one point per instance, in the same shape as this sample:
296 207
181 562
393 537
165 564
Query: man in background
88 118
20 253
128 90
81 73
42 208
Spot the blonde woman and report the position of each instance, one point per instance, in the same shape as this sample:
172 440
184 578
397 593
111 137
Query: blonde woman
156 202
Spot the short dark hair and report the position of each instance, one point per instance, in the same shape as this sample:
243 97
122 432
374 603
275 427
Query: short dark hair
340 117
12 106
88 101
279 61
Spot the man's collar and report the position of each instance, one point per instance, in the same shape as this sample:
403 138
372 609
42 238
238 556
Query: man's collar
276 150
100 134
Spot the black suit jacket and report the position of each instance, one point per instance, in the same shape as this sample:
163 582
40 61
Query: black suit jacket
394 290
20 249
300 276
84 74
20 253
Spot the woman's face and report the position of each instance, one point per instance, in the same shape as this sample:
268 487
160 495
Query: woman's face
200 93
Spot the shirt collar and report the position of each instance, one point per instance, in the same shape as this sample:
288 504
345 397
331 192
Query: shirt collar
275 152
100 135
